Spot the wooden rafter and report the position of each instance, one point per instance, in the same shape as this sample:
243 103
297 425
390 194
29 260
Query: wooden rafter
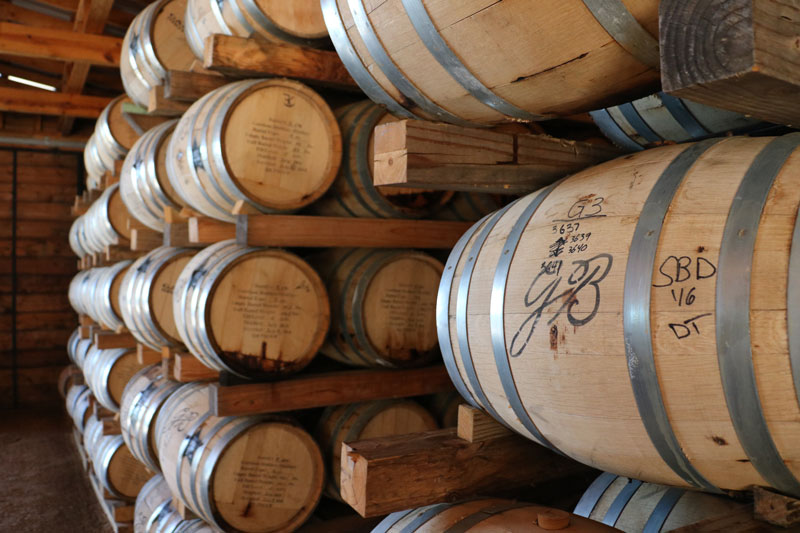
49 103
12 13
90 18
30 41
50 71
118 17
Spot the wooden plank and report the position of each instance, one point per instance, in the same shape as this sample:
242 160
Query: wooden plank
158 105
146 356
314 231
320 390
32 41
475 425
119 17
187 368
415 153
204 230
186 86
13 13
739 55
775 508
145 239
106 340
255 57
739 521
116 253
47 103
388 474
111 426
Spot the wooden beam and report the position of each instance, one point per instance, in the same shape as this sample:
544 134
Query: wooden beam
158 105
186 86
255 57
389 474
118 18
30 41
740 55
315 231
415 153
47 103
13 13
91 18
320 390
775 508
108 340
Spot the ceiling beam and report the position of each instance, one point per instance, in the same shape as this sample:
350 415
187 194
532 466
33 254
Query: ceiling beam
50 103
49 71
11 13
118 17
90 17
29 41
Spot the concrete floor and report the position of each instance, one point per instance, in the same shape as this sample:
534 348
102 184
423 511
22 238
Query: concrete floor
43 487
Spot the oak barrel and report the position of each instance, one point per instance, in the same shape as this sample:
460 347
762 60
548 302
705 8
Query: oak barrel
298 22
143 183
661 118
107 372
114 134
150 500
153 45
353 193
636 507
254 312
95 292
383 305
93 164
105 222
70 375
77 402
116 469
366 420
145 296
640 316
252 474
487 516
142 399
72 344
272 144
488 62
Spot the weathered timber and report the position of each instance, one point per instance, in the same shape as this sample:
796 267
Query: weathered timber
39 42
184 86
740 55
106 340
256 57
48 103
389 474
776 508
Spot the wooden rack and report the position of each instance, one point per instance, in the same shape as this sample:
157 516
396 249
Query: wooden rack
106 340
307 391
389 474
318 231
118 512
253 57
502 160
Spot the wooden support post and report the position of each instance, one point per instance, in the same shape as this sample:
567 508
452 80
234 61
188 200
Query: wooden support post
776 508
86 320
87 332
415 153
114 254
183 86
108 341
475 425
255 57
321 390
146 356
388 474
111 426
315 231
741 55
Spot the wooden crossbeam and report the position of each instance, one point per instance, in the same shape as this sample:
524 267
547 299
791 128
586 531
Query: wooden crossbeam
740 55
315 231
388 474
118 18
30 41
249 57
308 391
90 18
415 153
46 103
13 13
186 86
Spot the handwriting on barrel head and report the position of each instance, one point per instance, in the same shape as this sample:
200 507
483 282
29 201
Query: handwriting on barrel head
582 283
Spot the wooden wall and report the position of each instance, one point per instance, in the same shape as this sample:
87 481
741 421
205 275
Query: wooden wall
46 188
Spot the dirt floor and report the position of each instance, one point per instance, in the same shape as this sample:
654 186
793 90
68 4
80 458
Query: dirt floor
43 487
